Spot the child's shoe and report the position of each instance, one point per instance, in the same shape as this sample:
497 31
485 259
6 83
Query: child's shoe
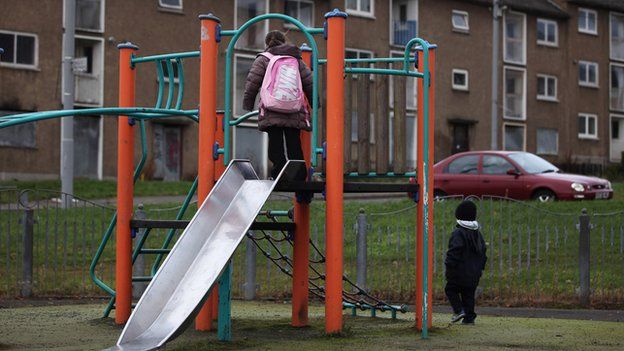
457 317
465 322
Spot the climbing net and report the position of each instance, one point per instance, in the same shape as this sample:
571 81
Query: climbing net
353 296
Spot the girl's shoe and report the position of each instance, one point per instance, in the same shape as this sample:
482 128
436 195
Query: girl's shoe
457 317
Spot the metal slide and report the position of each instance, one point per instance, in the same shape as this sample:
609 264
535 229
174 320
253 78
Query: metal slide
181 285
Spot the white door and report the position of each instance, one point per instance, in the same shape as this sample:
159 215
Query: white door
617 138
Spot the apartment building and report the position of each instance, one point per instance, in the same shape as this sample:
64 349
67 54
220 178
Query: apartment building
561 85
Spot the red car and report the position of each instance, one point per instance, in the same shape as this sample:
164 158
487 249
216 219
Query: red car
517 175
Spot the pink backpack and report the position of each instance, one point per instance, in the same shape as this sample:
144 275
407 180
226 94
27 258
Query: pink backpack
281 89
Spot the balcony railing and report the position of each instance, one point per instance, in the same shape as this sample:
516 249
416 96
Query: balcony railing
403 32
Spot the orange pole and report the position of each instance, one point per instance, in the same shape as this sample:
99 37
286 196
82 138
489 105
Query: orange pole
420 211
301 250
125 186
335 159
207 125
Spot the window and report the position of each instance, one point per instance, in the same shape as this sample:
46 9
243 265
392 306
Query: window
19 136
514 137
404 21
546 87
90 15
587 126
617 36
587 21
464 165
616 93
20 49
460 21
460 79
514 91
410 87
615 129
170 4
515 35
361 7
301 10
496 165
253 37
547 32
90 83
588 74
547 141
242 65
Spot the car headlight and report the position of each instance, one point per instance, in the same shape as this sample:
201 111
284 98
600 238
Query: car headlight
608 185
577 187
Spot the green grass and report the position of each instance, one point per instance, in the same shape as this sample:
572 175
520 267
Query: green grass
65 241
102 189
265 326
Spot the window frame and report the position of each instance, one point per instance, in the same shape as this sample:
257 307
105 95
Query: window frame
14 64
359 12
457 28
546 42
587 135
585 30
235 96
613 116
524 93
102 65
611 15
589 84
547 97
447 169
102 18
482 168
238 45
611 65
292 26
522 62
391 23
465 72
556 142
524 138
171 7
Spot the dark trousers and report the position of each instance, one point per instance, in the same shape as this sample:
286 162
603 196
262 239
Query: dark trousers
462 298
289 137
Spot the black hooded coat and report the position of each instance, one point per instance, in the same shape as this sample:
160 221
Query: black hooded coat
466 257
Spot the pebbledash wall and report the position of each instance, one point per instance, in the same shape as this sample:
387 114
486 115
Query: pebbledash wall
549 101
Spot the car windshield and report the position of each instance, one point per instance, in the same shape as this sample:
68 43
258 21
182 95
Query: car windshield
533 164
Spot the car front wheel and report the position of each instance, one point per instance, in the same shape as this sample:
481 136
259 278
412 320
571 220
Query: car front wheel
544 195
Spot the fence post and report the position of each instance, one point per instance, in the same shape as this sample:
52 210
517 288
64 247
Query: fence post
138 288
361 250
250 271
27 258
584 232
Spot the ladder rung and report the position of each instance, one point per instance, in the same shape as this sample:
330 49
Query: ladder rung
155 251
142 278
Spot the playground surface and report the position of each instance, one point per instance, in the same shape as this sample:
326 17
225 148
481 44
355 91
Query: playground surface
266 326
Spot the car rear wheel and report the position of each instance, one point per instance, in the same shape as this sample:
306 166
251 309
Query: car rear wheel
544 195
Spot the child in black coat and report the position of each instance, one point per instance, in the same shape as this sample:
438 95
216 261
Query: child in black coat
465 261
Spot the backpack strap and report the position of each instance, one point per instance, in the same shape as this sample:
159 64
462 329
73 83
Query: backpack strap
266 54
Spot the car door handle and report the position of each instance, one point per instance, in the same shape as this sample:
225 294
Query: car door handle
486 180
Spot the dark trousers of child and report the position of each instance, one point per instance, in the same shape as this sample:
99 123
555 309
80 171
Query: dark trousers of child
462 298
288 137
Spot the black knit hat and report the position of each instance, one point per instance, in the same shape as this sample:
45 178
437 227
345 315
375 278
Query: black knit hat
466 211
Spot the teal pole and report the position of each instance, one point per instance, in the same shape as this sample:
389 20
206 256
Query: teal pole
224 326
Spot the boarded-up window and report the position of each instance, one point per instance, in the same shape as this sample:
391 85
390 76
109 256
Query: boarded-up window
547 141
22 136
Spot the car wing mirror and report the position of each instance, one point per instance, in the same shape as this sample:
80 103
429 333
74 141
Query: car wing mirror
514 172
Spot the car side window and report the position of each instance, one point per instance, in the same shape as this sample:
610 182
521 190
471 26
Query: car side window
496 165
464 165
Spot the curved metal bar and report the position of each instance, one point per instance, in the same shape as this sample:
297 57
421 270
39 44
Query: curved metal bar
391 72
137 112
228 79
171 77
180 84
161 83
244 117
375 60
165 57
